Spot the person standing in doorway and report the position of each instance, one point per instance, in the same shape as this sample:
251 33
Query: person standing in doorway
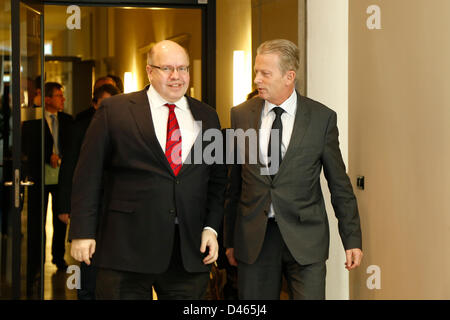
57 133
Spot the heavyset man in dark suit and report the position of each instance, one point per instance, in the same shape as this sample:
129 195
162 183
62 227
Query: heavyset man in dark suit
158 210
276 223
57 132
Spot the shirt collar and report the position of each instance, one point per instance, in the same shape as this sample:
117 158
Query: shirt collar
48 114
289 105
159 102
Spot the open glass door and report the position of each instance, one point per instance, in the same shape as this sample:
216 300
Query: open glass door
21 171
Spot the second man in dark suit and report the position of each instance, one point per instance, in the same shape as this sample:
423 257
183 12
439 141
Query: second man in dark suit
276 223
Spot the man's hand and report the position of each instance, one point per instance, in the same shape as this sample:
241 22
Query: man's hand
64 217
209 240
230 256
354 257
82 250
54 160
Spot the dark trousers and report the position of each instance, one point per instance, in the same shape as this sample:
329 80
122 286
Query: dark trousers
174 284
88 278
263 279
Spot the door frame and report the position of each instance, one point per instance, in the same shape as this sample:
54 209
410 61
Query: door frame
15 211
208 9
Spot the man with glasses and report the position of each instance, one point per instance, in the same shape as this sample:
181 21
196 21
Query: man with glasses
161 212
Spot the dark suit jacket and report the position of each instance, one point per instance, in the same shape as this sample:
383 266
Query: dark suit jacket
70 159
142 197
31 143
295 191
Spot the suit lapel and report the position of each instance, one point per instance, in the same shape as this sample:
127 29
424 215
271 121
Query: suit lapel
301 123
255 122
140 109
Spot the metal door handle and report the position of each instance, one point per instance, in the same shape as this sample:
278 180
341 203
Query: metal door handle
17 181
25 183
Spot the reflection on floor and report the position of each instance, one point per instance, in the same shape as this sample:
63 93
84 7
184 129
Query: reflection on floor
55 282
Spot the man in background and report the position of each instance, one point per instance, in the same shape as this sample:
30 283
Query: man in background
118 81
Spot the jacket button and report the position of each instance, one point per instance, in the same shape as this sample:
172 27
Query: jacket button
172 210
177 181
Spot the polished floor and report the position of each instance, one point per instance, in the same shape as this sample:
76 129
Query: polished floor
55 281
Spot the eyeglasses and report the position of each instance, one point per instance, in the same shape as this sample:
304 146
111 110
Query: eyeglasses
170 69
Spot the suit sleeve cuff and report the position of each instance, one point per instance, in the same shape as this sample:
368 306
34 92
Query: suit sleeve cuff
209 228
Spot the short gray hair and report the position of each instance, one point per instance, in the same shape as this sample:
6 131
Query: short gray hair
286 50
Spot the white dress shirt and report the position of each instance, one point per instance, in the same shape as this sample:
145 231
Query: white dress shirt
188 126
287 119
160 113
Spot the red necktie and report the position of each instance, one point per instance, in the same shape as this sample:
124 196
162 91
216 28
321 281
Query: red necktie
173 141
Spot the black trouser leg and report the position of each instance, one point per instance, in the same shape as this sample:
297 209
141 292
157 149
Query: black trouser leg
88 280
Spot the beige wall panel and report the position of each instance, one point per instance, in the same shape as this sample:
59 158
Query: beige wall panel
399 130
327 79
286 19
233 30
274 19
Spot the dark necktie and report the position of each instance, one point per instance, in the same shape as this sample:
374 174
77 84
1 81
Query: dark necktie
276 125
173 141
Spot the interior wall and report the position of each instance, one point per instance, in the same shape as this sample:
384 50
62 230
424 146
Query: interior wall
327 82
118 38
274 19
233 30
281 19
399 137
65 42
